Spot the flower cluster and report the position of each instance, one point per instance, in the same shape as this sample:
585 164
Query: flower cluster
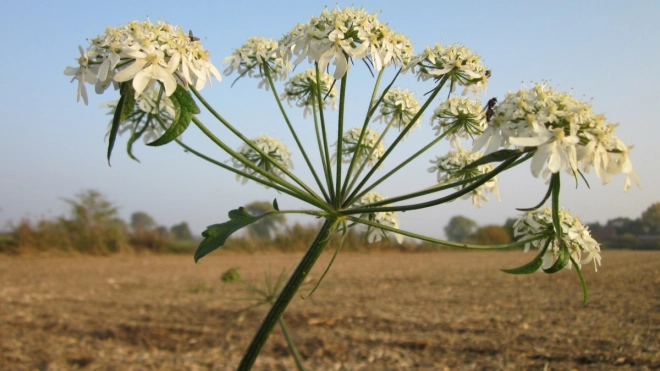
574 235
145 53
301 89
458 62
451 168
565 131
152 115
398 108
348 33
270 146
371 148
462 117
387 218
256 56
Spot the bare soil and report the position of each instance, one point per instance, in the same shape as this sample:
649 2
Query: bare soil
394 311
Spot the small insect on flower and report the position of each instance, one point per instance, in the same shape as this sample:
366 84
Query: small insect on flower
490 107
193 38
488 73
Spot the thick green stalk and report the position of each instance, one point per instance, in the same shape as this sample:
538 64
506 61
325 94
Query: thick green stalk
295 136
287 293
340 138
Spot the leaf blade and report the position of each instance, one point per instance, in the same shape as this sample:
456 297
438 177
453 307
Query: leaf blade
185 108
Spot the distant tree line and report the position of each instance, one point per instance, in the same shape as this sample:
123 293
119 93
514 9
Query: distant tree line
625 233
93 226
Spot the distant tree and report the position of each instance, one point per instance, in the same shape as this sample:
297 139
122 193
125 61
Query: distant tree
490 235
163 232
459 228
651 218
142 222
265 228
624 226
181 231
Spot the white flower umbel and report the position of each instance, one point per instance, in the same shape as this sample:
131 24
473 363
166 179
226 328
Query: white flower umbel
462 116
151 109
253 58
398 108
370 146
565 131
273 147
143 53
388 218
575 235
337 35
301 89
460 63
451 168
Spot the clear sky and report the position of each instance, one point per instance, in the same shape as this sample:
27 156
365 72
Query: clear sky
53 147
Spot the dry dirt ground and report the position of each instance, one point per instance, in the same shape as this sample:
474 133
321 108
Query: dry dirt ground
394 311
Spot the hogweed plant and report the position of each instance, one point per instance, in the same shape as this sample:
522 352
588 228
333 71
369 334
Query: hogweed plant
159 71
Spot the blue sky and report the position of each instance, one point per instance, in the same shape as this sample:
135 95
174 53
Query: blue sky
53 147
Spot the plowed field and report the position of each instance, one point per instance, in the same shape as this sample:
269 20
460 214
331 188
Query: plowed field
393 311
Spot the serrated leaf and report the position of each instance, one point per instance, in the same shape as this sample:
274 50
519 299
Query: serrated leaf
216 235
532 266
498 156
185 108
124 108
275 206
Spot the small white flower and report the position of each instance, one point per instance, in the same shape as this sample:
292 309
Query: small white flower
574 234
273 148
463 116
370 146
460 63
451 168
337 35
145 53
254 57
301 89
398 108
388 218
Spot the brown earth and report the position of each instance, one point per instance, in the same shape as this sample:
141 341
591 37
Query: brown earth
426 311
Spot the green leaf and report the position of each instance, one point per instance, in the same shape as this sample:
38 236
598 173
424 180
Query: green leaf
216 235
135 136
499 156
545 198
532 266
124 108
584 284
562 260
275 206
185 108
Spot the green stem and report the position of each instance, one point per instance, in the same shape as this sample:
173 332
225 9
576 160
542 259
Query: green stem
295 136
364 210
441 242
340 137
370 112
301 194
401 165
288 291
292 346
326 170
251 144
401 136
319 101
